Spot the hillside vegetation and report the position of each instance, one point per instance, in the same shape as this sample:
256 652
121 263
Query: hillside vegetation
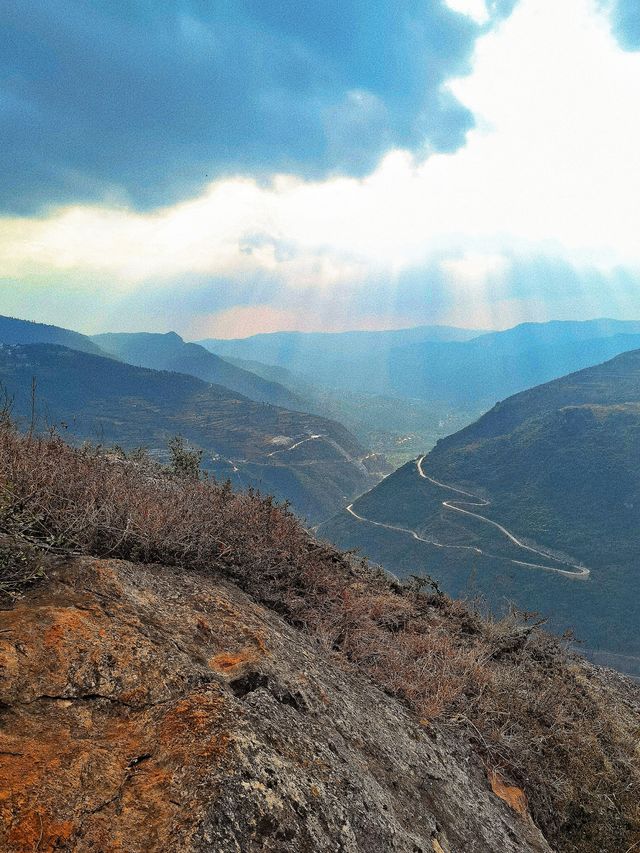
557 737
559 465
254 444
562 460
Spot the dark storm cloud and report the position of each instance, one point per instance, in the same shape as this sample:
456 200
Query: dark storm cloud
147 100
626 23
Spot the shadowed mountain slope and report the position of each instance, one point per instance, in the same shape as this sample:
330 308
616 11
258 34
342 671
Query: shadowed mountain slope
170 352
309 460
14 331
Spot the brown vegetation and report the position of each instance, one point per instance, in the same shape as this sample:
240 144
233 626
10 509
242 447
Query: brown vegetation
543 721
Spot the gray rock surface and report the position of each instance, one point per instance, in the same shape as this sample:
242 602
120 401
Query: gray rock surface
144 709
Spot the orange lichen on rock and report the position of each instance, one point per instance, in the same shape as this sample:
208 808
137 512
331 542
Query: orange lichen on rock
37 830
226 662
232 662
114 780
195 725
512 795
67 624
106 742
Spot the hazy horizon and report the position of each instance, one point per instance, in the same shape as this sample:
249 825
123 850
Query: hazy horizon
346 331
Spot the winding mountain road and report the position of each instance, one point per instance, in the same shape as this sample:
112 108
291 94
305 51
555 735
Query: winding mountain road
297 444
575 572
408 530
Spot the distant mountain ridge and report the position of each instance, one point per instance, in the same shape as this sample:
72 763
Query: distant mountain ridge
499 364
15 331
616 382
357 360
170 352
446 367
156 351
279 343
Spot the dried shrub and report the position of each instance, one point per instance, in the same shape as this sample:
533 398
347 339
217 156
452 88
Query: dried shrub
558 728
21 564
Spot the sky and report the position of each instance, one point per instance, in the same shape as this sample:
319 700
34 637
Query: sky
234 167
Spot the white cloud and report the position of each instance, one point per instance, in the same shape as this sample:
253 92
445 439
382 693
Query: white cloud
475 269
551 169
475 9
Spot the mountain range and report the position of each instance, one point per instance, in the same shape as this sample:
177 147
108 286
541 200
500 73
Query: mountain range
349 360
170 352
451 367
534 503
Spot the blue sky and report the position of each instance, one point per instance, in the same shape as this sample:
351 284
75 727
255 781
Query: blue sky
238 166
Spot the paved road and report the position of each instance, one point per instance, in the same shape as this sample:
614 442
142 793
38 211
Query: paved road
574 571
297 444
408 530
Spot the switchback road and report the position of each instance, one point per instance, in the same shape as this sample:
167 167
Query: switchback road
574 571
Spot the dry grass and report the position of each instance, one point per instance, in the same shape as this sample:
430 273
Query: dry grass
546 722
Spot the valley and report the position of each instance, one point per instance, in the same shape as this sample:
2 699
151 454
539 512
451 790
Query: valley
532 505
255 445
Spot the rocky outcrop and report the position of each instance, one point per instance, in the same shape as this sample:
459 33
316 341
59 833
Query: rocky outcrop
148 709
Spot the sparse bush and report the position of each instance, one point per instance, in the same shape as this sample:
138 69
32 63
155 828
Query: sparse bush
21 564
185 461
544 721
